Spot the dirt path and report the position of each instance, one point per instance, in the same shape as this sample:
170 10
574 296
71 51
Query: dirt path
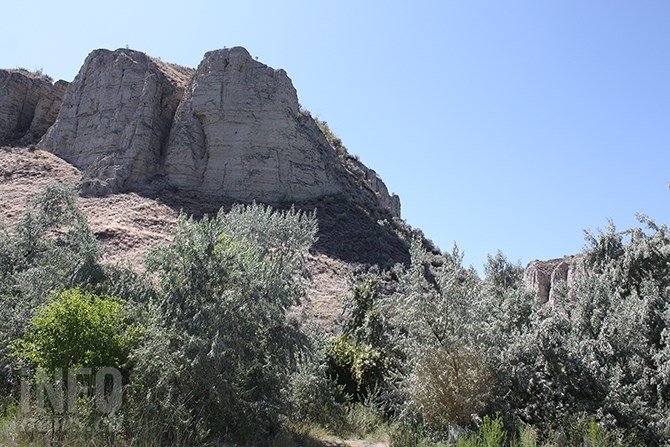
354 443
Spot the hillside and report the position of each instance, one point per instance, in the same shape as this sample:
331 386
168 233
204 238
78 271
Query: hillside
128 223
144 139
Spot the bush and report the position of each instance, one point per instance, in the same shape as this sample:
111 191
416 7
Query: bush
51 248
450 385
312 394
221 347
78 329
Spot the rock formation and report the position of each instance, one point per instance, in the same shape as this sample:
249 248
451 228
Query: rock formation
29 104
233 129
239 133
542 276
377 187
46 112
116 118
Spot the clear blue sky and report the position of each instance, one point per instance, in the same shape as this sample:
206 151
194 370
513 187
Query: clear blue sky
508 125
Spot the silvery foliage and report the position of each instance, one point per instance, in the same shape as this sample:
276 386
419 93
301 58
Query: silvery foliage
51 247
434 306
605 352
220 345
601 351
434 314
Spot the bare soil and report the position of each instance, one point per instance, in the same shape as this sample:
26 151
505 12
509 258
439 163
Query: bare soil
127 224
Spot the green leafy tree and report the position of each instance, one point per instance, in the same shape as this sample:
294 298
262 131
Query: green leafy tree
78 329
51 248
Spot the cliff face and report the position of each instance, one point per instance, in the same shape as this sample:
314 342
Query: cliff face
543 276
231 129
239 133
29 104
115 119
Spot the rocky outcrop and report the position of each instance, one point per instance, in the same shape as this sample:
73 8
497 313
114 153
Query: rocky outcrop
29 103
115 119
374 183
232 129
46 113
239 133
542 276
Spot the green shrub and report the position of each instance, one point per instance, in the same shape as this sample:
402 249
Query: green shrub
51 248
596 436
358 367
78 329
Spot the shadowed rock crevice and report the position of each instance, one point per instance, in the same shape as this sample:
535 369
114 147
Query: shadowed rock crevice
347 231
29 105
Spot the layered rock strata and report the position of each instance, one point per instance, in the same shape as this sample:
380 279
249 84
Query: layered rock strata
231 129
542 277
239 133
29 105
115 120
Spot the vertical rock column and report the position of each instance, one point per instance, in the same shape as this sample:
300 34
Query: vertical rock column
238 133
29 103
115 120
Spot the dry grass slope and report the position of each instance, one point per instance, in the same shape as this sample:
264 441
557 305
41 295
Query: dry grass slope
127 224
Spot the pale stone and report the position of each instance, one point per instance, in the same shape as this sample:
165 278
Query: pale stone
239 133
29 103
232 129
541 277
46 113
115 119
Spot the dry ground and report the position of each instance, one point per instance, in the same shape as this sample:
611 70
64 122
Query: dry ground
127 224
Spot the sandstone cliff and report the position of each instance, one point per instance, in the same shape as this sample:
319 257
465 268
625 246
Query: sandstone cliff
115 120
232 129
239 133
543 276
29 104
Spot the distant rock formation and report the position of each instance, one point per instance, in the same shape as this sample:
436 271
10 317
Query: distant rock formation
542 276
29 105
231 129
116 118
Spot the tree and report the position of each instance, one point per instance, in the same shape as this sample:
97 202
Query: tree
51 248
435 317
78 329
221 345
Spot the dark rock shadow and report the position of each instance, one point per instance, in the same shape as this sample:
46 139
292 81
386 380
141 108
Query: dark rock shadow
347 230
